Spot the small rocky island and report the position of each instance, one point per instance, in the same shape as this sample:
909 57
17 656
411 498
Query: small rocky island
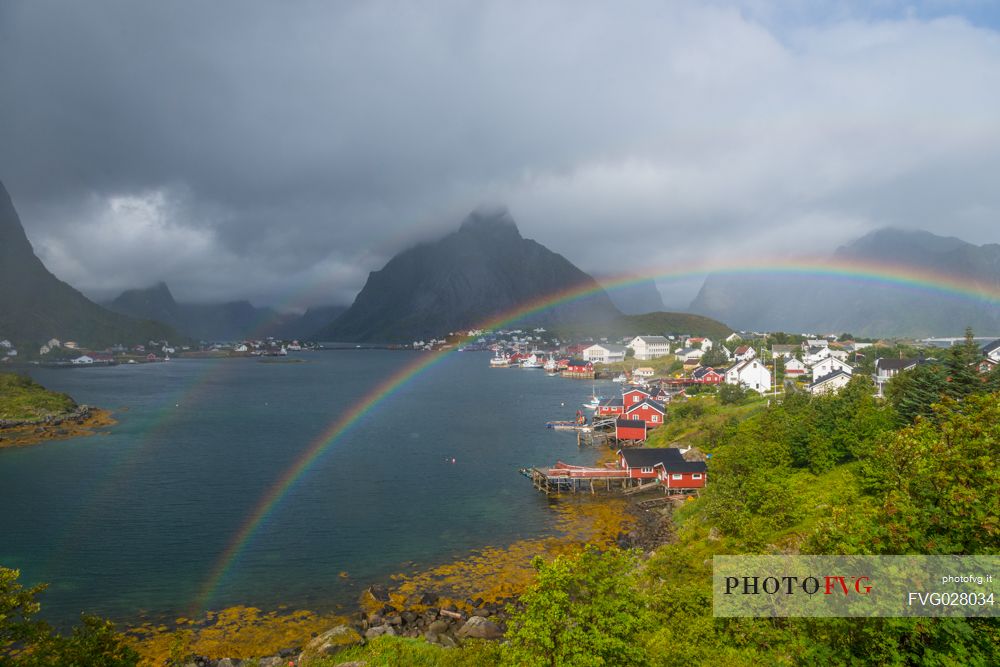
30 413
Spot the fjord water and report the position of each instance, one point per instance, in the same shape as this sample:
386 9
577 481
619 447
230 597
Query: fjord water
133 521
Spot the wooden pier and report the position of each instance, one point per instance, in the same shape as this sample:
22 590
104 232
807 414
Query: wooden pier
566 478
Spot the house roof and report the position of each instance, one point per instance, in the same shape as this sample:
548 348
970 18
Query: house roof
702 371
684 466
686 350
989 347
784 348
895 364
633 390
647 457
619 349
828 377
612 402
653 404
652 339
629 423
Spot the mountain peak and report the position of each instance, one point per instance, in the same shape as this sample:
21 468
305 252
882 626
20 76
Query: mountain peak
894 240
491 220
464 279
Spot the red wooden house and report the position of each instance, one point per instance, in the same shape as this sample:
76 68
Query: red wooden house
610 407
665 464
707 375
634 397
682 474
630 429
650 412
579 366
640 463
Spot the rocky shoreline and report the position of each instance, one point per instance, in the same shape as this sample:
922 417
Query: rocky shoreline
81 421
435 616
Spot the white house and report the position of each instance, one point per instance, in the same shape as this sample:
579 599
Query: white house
83 360
649 347
6 344
794 367
604 353
816 342
689 354
785 351
242 347
886 369
704 343
750 374
829 365
992 351
733 337
744 353
814 355
830 383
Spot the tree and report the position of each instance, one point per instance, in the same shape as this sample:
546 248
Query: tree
17 613
913 392
27 642
963 376
583 610
731 394
715 358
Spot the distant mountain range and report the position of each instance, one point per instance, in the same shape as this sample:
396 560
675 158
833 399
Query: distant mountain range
865 307
235 320
483 270
635 298
35 306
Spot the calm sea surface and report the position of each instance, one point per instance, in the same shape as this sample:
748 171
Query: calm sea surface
133 522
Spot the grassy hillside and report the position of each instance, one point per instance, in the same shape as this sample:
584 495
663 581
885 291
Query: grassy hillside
21 399
653 324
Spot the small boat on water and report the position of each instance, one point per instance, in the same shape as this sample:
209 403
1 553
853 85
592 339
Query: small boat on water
531 362
550 365
499 361
621 378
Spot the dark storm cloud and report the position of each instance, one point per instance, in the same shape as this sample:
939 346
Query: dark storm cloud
279 152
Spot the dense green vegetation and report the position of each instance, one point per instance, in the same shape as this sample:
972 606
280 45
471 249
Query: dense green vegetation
21 398
28 642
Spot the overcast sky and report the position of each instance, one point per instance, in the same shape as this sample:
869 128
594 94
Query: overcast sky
281 151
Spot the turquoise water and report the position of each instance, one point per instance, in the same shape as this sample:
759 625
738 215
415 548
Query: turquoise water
132 522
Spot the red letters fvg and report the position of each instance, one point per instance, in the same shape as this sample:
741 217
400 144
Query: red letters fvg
791 585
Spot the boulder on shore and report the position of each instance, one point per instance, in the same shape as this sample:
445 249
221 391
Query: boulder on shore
478 627
332 641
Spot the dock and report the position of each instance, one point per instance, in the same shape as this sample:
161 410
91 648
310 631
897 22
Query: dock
567 478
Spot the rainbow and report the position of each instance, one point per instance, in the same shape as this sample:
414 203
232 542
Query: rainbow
881 273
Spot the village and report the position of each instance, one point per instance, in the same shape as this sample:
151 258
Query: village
678 368
70 354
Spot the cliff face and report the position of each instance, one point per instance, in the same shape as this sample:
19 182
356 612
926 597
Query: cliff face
483 270
36 306
807 303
